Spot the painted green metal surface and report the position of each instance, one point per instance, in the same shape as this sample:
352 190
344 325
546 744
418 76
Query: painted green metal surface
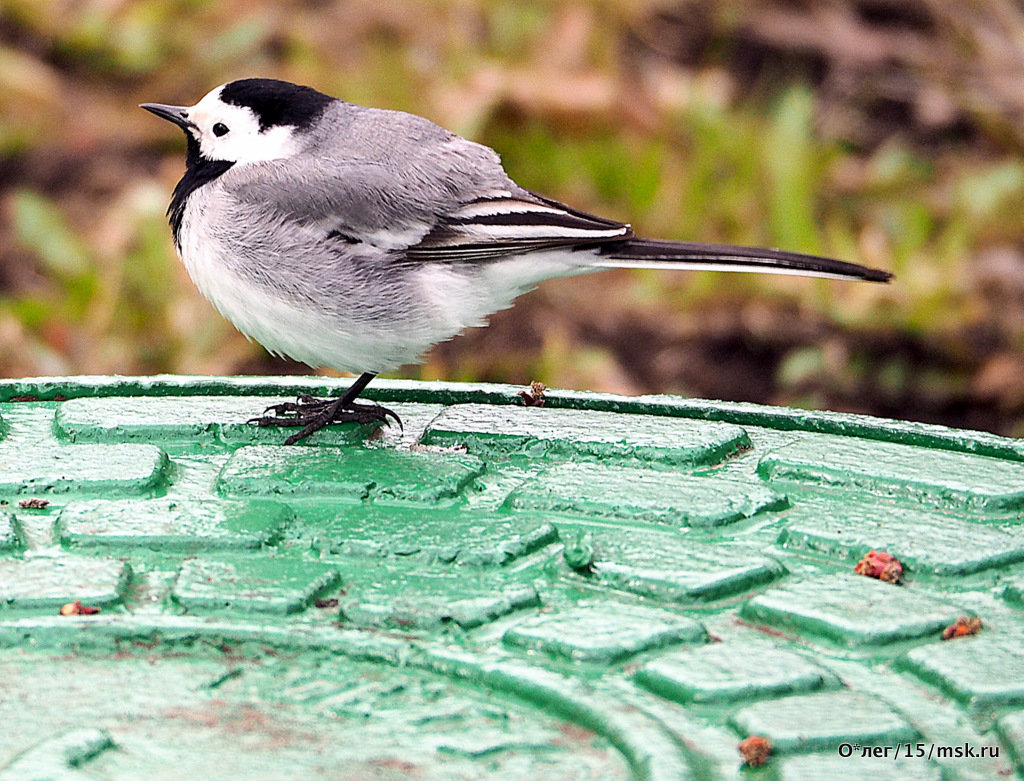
604 587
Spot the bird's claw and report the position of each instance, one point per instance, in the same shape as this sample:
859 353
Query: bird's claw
312 414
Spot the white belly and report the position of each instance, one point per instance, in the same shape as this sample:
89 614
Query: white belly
378 335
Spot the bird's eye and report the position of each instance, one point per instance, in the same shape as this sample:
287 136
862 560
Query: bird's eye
220 129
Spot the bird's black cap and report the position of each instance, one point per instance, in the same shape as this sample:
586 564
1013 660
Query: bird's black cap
277 102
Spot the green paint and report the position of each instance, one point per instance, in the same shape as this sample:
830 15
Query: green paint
59 755
852 609
539 432
983 671
429 534
48 583
260 585
814 767
8 533
607 587
95 469
172 524
949 481
354 473
405 607
660 497
1010 729
671 567
167 419
727 672
603 633
823 720
925 541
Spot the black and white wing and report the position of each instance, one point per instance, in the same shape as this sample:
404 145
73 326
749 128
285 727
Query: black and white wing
502 225
419 193
511 223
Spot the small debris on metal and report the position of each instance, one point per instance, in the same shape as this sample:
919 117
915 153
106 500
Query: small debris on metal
961 627
579 553
535 396
33 504
883 566
76 608
755 750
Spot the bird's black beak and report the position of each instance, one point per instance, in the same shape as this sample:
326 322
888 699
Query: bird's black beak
176 114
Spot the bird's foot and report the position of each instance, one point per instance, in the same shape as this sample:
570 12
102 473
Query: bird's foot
313 414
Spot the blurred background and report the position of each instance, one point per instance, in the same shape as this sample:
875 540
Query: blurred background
885 132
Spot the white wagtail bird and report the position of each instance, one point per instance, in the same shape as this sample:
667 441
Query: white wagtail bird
356 238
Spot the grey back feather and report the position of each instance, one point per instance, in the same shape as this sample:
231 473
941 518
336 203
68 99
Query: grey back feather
371 170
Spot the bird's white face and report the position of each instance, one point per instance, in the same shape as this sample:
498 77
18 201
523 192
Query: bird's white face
233 134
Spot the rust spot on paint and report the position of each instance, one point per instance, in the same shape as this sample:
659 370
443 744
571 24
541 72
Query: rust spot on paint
883 566
961 627
535 396
76 608
755 750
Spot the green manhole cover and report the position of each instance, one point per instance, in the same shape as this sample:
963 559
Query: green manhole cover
602 588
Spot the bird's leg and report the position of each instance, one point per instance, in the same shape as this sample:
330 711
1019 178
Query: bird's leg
313 414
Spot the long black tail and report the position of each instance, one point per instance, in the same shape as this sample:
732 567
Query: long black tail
650 253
